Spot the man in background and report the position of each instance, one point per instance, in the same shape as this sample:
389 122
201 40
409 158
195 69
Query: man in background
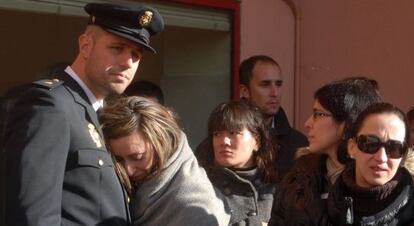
261 84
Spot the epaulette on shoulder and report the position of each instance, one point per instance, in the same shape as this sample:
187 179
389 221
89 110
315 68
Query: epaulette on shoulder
48 83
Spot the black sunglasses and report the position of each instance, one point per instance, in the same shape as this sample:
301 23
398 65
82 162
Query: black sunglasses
371 144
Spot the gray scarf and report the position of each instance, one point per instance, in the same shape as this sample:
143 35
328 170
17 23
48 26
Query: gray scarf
181 195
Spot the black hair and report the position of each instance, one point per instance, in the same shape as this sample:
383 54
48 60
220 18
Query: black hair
345 100
237 115
410 115
145 89
381 108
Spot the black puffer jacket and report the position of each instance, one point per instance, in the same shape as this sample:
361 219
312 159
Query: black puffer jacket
301 197
391 204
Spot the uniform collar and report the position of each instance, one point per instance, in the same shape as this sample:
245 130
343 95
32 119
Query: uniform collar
96 104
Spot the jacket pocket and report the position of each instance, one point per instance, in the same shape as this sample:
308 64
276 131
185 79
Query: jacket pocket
94 158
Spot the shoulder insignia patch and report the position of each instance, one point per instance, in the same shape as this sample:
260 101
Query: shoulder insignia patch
48 83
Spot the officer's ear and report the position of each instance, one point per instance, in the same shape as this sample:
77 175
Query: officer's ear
244 91
85 42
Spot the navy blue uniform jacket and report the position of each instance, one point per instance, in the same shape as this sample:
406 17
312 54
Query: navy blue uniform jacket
57 167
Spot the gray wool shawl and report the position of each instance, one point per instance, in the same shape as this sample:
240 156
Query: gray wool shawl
181 195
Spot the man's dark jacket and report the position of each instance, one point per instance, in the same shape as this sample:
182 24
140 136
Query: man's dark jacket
288 140
57 167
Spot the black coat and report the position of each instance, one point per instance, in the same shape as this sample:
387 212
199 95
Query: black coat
349 204
300 199
288 140
58 169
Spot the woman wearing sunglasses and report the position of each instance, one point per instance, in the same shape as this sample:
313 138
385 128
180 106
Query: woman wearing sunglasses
301 197
375 189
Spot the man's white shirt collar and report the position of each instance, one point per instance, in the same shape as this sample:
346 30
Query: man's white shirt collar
96 104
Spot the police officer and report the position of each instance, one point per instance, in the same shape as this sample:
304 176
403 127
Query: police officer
59 171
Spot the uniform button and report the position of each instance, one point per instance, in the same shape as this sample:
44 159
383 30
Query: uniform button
251 214
227 191
128 200
100 162
56 80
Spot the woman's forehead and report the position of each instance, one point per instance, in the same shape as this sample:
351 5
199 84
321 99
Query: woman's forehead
384 125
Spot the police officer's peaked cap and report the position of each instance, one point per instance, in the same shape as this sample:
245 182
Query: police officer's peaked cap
132 21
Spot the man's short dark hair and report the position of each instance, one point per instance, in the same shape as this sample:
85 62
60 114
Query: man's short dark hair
246 67
145 89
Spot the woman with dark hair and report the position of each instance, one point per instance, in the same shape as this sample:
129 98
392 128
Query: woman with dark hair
410 118
157 166
375 189
239 162
301 197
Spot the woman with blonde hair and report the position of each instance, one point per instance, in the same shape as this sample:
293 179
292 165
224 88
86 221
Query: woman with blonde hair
157 166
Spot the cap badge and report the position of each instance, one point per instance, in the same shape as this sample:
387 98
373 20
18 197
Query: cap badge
95 135
146 18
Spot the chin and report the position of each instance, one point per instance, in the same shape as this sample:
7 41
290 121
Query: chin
378 182
313 149
271 111
225 163
118 89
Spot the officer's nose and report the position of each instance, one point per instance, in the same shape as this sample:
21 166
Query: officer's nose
127 60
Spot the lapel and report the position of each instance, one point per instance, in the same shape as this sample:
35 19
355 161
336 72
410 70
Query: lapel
82 99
